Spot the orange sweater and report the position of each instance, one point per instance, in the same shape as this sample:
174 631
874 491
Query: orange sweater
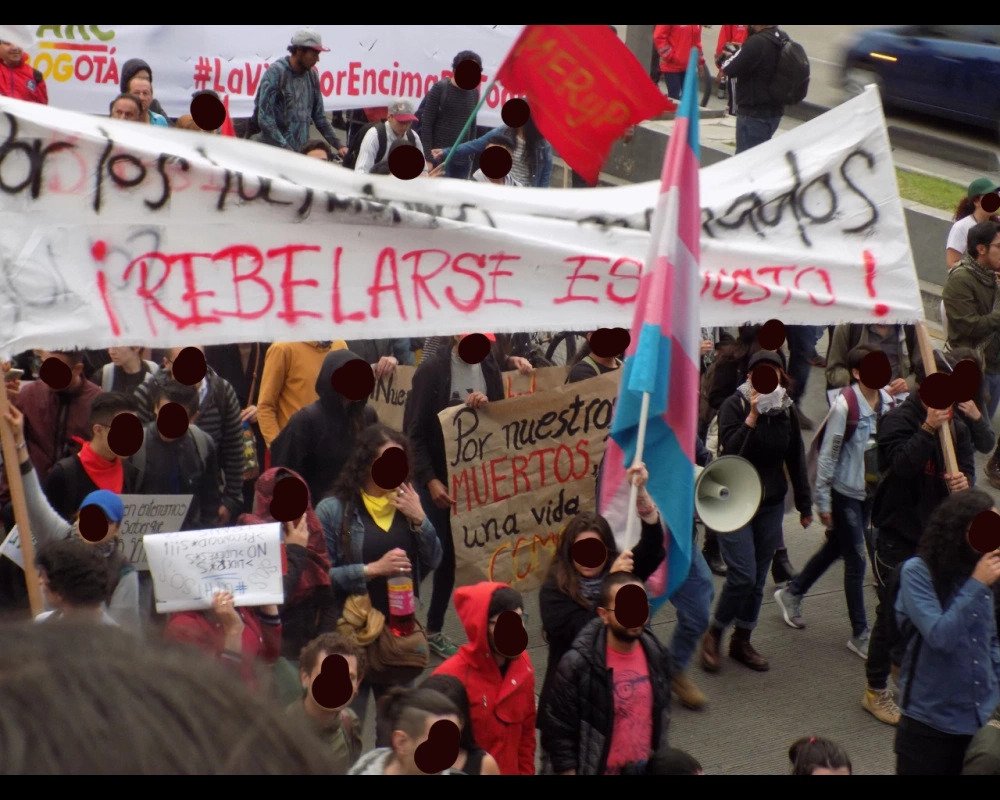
288 382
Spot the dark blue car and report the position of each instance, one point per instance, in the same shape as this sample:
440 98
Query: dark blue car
950 71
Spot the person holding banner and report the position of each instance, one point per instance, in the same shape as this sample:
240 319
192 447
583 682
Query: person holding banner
764 429
441 381
48 526
374 532
237 636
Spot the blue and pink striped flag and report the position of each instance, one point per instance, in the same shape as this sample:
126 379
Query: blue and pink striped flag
662 358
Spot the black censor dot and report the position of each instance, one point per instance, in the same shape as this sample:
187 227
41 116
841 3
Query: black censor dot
55 373
496 162
354 380
984 532
509 636
468 74
332 688
990 202
937 390
390 469
189 367
125 434
291 496
631 606
440 751
515 112
609 342
172 420
590 553
771 335
473 348
764 379
406 162
966 380
875 370
208 112
93 524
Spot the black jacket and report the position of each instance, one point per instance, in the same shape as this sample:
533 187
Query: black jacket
751 72
563 618
911 465
776 443
431 394
318 439
577 723
68 483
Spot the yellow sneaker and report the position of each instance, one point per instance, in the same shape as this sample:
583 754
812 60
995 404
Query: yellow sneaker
881 705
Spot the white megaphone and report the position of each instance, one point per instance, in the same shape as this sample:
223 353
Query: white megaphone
727 493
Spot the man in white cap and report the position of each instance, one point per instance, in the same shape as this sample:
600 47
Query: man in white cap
289 97
382 135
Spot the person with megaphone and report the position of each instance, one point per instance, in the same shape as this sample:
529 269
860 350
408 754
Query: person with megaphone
758 423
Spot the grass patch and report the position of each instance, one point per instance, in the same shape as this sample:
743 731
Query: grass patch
928 191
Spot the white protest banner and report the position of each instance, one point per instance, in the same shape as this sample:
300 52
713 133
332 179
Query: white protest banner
188 568
519 470
113 233
368 65
147 514
388 398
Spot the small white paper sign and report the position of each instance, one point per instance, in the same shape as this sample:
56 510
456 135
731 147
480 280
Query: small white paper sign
11 547
189 567
147 514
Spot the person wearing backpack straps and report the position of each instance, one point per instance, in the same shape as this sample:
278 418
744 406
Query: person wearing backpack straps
950 678
378 137
767 73
589 365
445 109
289 98
841 491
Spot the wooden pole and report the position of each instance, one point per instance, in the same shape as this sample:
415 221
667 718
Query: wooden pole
930 367
10 461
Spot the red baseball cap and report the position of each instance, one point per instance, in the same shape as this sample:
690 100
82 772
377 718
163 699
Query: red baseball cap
491 336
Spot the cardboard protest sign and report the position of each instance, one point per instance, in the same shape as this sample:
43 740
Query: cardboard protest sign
388 398
519 470
542 379
366 66
146 514
188 568
124 234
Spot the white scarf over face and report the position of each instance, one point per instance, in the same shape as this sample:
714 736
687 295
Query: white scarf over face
772 403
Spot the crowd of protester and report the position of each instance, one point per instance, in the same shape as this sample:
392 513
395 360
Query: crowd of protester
237 685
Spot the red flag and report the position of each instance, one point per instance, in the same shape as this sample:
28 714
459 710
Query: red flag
227 128
584 87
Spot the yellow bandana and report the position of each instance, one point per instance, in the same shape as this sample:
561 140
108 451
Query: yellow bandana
381 509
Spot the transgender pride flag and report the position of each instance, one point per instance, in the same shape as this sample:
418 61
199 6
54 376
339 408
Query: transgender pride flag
662 359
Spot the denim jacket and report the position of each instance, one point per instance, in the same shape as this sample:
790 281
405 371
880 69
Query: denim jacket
347 570
957 675
460 164
841 465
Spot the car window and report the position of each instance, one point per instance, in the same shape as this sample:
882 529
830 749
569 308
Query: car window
973 34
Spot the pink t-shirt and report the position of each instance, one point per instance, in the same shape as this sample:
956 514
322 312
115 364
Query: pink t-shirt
632 734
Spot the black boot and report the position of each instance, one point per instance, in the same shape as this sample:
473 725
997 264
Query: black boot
781 568
712 555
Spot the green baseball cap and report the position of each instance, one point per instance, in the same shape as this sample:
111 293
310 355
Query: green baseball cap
981 186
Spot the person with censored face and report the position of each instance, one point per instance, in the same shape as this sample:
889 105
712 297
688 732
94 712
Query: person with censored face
596 726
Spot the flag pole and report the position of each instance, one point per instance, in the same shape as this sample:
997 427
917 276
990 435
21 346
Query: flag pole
632 524
475 112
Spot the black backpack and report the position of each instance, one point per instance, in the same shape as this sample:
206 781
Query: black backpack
253 125
354 146
790 83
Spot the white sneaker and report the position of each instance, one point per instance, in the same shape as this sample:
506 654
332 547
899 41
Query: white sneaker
859 645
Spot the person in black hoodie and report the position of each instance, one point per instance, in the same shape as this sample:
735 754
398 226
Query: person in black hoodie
318 439
433 392
751 72
137 68
764 429
914 483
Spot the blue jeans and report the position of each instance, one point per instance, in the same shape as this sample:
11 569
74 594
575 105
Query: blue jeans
748 553
752 131
847 541
693 601
675 83
992 380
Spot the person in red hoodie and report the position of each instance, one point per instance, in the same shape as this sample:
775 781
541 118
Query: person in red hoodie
731 38
237 636
674 43
501 688
18 78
